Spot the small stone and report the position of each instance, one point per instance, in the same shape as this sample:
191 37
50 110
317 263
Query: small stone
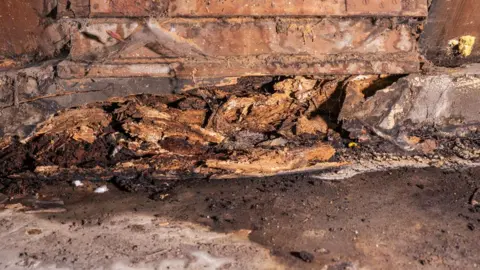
34 231
77 183
303 255
101 189
322 251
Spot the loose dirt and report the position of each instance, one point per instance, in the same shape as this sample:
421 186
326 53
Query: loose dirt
401 219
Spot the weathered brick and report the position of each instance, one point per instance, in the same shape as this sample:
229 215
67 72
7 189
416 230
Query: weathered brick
73 8
197 8
128 8
318 38
373 6
387 7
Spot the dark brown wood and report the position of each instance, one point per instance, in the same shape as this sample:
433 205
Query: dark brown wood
451 19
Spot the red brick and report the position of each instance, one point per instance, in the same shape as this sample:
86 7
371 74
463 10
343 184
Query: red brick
128 8
387 7
233 8
320 38
196 8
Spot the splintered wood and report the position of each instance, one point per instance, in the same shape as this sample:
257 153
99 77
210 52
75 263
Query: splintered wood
203 131
81 124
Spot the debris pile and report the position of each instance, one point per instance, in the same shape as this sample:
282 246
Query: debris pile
205 132
141 142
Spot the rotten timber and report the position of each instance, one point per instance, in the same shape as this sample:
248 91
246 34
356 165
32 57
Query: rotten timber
196 71
32 95
201 131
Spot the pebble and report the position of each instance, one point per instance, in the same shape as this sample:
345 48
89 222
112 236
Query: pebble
101 189
77 183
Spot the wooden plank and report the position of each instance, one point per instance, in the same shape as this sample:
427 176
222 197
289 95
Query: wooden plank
250 66
451 20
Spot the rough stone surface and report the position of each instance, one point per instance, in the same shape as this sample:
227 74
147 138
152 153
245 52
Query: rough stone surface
240 37
446 102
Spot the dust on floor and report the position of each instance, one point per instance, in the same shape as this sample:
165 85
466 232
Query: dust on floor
401 219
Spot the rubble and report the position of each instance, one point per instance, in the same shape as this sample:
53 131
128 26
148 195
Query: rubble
200 132
448 103
287 125
152 125
260 113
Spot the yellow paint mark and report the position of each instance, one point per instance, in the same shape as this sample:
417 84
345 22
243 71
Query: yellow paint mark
465 45
352 145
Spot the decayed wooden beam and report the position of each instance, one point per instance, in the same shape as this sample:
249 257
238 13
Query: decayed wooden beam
237 67
447 21
38 98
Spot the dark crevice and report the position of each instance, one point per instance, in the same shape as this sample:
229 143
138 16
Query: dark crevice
64 51
330 109
381 83
53 13
92 37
